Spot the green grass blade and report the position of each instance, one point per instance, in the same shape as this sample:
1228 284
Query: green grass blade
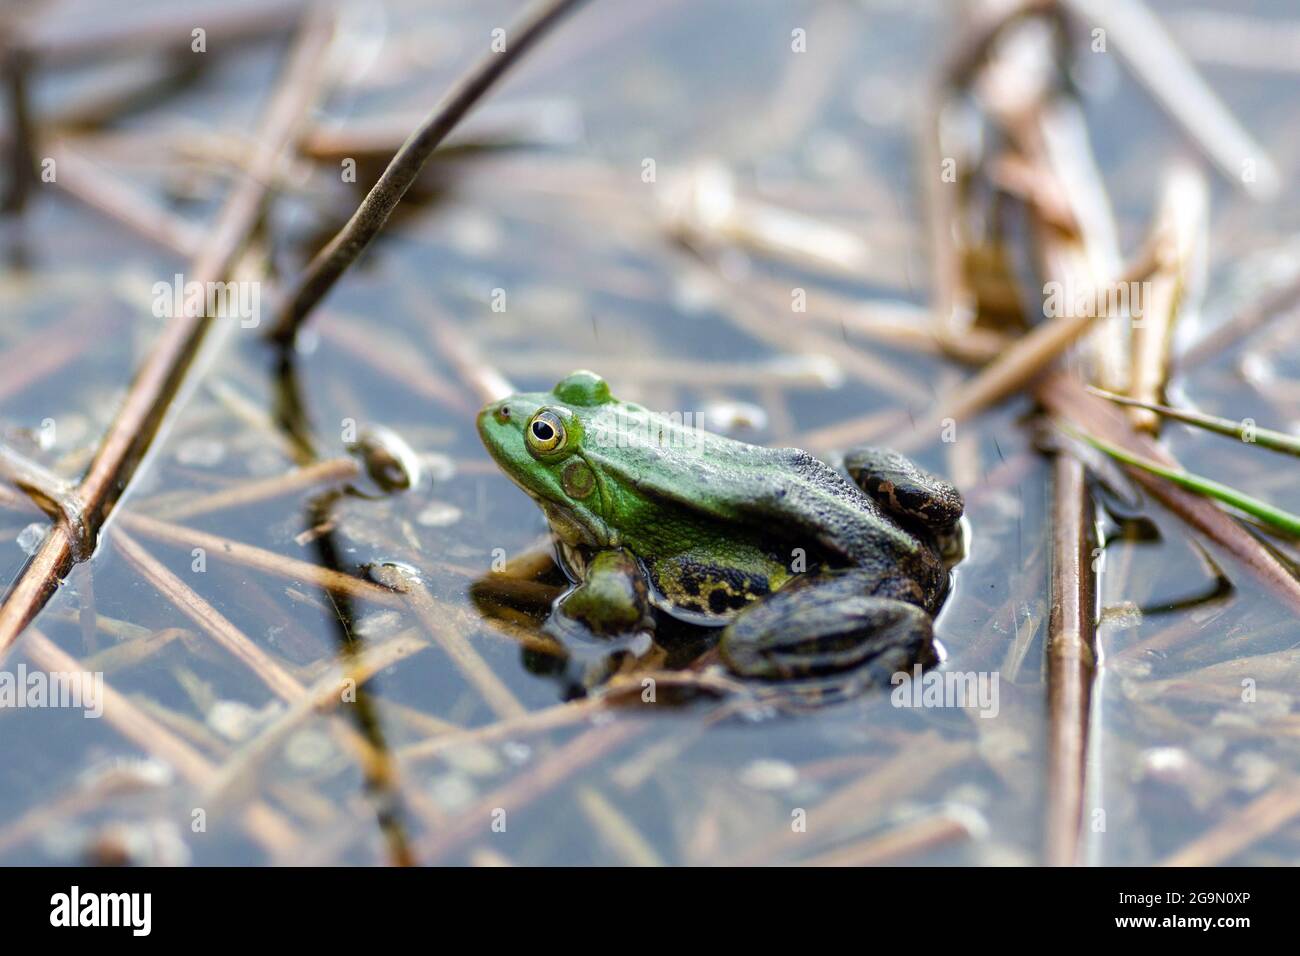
1266 437
1270 515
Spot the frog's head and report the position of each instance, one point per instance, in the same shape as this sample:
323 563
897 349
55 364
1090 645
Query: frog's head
537 440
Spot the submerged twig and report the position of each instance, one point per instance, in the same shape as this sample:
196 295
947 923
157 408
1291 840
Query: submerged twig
905 773
325 472
468 661
326 693
208 618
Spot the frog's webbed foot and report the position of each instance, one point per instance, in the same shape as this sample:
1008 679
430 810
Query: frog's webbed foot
905 491
816 629
604 619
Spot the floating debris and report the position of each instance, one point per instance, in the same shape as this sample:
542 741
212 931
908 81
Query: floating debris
438 514
201 452
770 775
31 537
389 461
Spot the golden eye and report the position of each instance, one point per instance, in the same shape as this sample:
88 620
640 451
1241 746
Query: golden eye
545 432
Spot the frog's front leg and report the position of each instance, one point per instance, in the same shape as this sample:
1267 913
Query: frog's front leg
826 625
598 620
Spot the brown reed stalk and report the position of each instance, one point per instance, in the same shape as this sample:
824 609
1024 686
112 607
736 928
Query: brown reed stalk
164 371
371 216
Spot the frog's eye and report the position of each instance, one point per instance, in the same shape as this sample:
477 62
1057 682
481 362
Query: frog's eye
545 432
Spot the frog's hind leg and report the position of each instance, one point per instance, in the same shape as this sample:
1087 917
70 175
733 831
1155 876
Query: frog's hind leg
827 627
895 483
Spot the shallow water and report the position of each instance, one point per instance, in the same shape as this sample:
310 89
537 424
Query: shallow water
574 238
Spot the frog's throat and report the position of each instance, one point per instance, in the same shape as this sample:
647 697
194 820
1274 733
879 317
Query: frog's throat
577 528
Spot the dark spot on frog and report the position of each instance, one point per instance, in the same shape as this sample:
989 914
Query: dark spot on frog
720 601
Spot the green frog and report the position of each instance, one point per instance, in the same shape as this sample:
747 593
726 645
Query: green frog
806 573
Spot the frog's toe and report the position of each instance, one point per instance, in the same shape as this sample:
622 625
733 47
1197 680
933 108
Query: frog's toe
804 634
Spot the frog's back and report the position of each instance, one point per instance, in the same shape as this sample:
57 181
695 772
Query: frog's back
784 495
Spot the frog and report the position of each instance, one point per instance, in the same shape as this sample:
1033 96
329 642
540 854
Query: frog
805 572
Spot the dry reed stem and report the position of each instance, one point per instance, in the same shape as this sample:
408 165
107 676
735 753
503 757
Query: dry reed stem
468 661
277 565
235 779
1161 66
250 493
1071 662
1056 142
67 41
370 217
208 618
1076 247
1182 223
1068 400
150 398
524 725
262 823
121 202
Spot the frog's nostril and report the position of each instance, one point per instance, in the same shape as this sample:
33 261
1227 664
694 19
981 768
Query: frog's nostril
502 413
